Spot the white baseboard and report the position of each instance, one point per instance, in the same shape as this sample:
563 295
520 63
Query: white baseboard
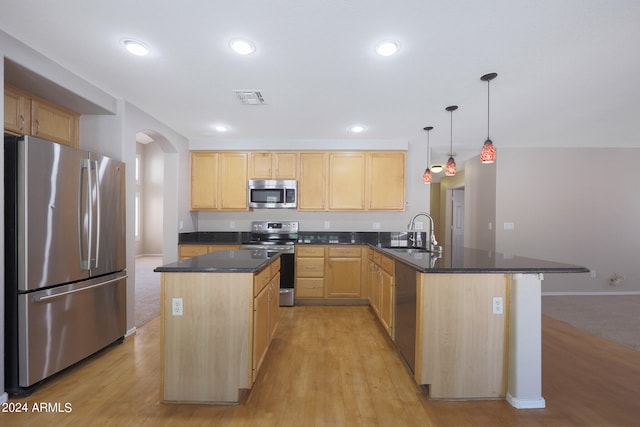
143 255
130 332
551 294
526 403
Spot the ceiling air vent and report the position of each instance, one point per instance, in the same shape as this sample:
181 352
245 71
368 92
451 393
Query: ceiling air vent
249 97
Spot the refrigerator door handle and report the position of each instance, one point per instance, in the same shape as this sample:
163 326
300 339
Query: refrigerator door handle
84 214
61 294
95 215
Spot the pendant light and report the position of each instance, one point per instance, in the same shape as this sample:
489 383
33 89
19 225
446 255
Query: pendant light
488 153
426 176
450 168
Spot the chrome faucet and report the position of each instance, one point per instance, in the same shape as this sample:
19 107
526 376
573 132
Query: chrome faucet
433 244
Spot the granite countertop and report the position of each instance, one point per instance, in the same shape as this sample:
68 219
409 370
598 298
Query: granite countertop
467 260
238 261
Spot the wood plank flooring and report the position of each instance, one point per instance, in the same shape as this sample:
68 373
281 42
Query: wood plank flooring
333 366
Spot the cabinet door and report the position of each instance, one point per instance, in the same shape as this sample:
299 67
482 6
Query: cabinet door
54 123
343 277
346 181
274 305
386 301
374 287
233 181
311 185
260 165
204 180
309 287
285 165
261 329
17 112
386 181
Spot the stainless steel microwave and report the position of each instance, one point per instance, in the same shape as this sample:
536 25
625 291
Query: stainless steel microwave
273 194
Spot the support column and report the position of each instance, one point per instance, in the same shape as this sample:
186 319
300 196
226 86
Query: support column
525 342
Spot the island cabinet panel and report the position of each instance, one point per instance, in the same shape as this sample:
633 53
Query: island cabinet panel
212 352
206 351
461 348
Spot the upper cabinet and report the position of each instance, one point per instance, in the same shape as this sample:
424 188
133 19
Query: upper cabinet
346 181
386 180
312 182
26 114
273 165
327 181
218 180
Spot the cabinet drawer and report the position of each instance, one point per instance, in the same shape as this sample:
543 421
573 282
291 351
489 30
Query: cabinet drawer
310 251
386 264
345 252
188 251
261 280
309 288
310 267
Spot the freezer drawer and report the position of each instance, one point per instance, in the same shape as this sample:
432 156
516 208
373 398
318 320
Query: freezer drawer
61 326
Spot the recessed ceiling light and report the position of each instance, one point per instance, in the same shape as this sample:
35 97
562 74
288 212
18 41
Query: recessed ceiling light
221 128
243 47
356 128
135 47
387 48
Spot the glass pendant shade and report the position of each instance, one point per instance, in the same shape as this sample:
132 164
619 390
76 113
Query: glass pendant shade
488 153
426 176
450 168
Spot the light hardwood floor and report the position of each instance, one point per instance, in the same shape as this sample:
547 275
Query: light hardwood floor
333 366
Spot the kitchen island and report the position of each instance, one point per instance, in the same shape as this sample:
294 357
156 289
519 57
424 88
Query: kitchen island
478 322
218 314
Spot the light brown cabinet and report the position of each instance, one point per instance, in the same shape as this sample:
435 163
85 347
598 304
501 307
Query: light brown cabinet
347 181
212 352
344 272
273 165
382 289
26 114
462 347
218 180
190 250
386 180
312 182
309 267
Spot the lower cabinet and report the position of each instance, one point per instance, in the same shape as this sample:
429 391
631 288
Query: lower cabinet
212 352
382 289
344 271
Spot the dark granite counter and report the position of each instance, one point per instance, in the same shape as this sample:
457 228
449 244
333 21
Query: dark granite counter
467 260
240 261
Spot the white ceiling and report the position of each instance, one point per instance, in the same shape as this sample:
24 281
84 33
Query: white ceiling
568 70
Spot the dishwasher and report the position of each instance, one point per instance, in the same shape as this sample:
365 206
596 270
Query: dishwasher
405 302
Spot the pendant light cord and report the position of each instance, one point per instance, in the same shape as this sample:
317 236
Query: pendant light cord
488 105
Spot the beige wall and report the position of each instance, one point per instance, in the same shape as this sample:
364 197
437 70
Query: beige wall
574 205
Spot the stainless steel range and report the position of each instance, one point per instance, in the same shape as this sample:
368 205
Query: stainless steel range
278 236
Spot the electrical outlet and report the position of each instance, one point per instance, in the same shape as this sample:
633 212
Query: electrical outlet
327 225
232 224
376 226
176 306
498 305
419 225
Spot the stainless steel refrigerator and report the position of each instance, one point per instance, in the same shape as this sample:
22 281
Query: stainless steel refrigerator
65 268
